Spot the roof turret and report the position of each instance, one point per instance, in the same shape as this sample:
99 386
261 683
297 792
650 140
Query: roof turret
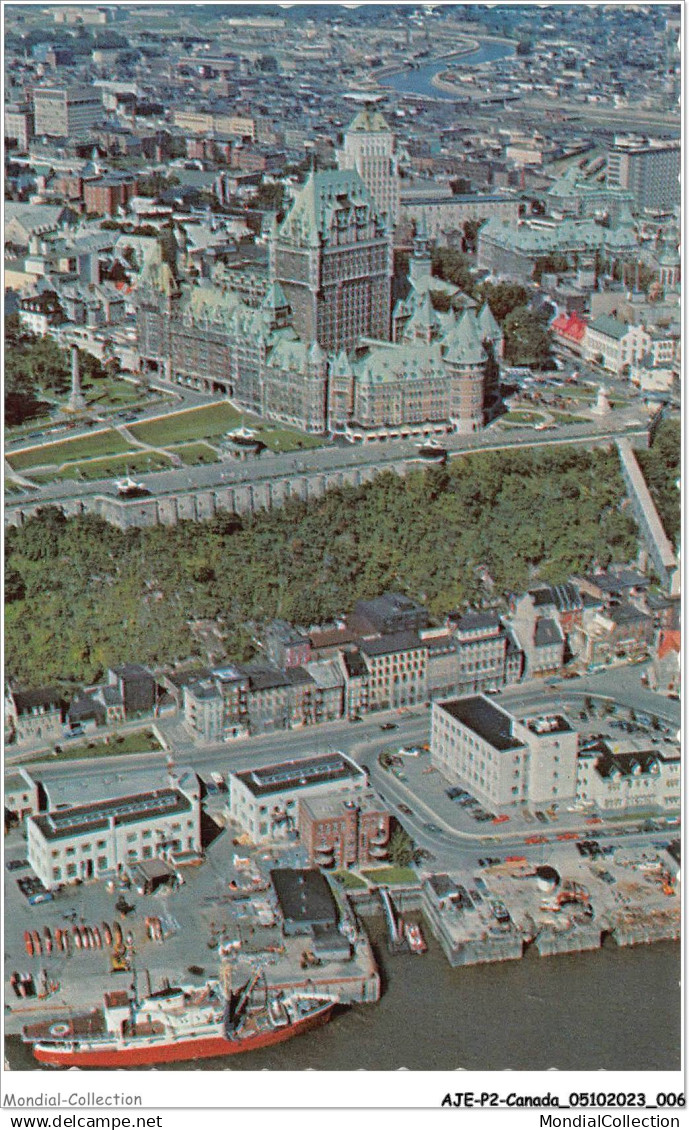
487 325
463 345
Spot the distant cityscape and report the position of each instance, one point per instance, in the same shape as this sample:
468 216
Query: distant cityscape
285 258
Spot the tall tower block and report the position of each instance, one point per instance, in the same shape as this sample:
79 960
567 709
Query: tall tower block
369 147
332 256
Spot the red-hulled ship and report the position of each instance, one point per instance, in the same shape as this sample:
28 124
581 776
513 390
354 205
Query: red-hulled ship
176 1024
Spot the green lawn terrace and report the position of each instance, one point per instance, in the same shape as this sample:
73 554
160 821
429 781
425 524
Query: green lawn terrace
194 437
93 470
100 443
212 422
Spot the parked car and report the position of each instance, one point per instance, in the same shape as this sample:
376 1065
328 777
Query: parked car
16 864
388 726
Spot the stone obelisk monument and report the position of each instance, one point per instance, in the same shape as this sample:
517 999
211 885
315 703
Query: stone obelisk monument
77 402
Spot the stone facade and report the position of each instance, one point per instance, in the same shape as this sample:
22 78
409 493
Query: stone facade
313 350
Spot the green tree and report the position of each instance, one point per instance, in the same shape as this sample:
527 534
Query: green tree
454 267
401 848
527 340
503 298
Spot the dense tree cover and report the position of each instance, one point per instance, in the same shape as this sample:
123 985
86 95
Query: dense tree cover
527 338
82 595
662 468
34 366
504 297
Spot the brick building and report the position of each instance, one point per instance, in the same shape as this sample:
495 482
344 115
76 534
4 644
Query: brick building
347 829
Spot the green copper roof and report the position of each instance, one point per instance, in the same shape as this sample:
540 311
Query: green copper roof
388 363
609 326
314 205
488 327
463 344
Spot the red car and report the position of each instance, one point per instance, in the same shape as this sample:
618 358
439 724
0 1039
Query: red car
593 820
567 836
515 859
536 840
500 819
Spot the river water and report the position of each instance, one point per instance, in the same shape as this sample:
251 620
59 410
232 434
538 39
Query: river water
613 1009
419 81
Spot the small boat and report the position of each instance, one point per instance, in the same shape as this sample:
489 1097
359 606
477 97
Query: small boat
117 933
97 937
37 949
415 938
77 937
47 940
28 943
107 934
91 937
176 1025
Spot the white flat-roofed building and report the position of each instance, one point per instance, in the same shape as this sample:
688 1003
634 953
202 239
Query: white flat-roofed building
82 842
501 759
265 802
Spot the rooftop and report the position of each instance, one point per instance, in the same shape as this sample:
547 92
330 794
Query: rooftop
290 775
304 896
485 719
63 824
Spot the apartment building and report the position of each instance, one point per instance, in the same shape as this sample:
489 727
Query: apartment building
84 842
265 802
66 111
503 760
649 170
346 829
398 670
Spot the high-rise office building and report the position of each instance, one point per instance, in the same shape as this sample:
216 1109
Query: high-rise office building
332 256
650 170
369 147
66 111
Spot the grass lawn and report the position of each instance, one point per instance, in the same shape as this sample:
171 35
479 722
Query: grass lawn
195 453
348 881
106 442
108 390
194 423
141 741
568 418
286 439
520 417
15 488
390 875
96 469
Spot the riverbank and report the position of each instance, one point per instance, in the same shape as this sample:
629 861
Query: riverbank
576 1012
418 83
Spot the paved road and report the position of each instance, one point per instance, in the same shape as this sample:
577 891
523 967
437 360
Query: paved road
456 837
333 458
